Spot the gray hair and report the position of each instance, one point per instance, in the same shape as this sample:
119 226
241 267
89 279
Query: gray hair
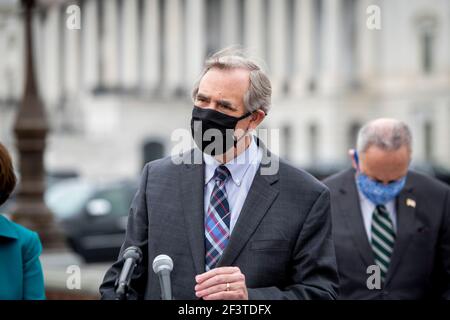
386 134
258 96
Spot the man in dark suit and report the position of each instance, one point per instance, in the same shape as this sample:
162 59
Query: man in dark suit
387 216
240 223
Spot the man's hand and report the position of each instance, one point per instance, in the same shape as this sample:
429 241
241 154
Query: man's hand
225 283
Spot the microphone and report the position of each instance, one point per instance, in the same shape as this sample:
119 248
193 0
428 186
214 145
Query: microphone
132 256
162 266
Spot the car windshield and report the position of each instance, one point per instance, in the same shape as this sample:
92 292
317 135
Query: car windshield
67 199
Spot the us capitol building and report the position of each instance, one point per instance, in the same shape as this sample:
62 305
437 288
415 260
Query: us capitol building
117 87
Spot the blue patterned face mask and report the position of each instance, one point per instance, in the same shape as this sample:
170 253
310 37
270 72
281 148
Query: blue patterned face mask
377 192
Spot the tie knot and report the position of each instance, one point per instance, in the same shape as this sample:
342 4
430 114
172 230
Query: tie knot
382 209
222 173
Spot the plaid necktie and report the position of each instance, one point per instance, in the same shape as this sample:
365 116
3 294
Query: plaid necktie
383 238
217 219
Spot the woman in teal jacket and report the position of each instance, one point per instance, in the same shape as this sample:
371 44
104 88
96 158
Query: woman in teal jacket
20 269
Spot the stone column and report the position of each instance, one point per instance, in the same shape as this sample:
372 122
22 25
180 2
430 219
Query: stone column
195 40
331 75
72 61
229 25
52 82
173 45
367 46
254 27
130 47
278 44
70 116
151 43
110 47
305 45
442 132
90 45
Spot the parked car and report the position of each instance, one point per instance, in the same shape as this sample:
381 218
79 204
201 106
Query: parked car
92 216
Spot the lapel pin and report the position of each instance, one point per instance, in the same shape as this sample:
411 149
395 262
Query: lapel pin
410 203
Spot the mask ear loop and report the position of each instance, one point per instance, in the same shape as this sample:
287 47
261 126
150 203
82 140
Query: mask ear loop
236 140
356 158
245 115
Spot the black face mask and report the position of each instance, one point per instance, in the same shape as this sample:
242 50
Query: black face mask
221 138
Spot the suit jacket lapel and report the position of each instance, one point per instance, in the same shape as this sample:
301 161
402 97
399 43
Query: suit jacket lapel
406 216
260 197
192 196
351 209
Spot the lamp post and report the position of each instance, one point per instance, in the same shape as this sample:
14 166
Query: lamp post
31 129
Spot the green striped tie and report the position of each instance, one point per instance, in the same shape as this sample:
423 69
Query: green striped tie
383 238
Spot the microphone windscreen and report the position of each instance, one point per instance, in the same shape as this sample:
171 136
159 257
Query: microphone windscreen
133 252
162 262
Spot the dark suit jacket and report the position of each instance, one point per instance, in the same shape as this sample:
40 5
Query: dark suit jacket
281 242
420 264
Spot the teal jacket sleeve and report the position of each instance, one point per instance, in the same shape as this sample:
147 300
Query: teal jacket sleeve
33 278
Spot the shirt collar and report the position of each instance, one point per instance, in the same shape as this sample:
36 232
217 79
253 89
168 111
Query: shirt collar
237 167
363 199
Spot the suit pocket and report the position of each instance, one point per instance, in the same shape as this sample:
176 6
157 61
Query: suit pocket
269 245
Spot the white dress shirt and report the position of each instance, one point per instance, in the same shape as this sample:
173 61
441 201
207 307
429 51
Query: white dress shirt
367 209
243 170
